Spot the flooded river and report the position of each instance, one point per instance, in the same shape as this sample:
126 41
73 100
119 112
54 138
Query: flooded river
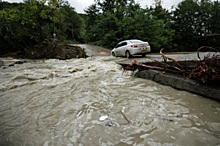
89 102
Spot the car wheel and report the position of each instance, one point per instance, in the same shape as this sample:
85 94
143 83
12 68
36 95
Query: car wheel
128 55
143 55
113 54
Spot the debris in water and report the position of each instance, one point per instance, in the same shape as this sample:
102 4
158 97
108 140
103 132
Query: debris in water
207 71
102 118
109 123
125 117
75 70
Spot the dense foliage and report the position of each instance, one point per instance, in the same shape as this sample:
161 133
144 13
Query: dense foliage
182 29
23 26
32 24
113 21
196 22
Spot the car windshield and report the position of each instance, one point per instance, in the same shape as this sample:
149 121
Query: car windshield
135 41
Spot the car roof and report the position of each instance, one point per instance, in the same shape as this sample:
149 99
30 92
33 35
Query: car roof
133 40
130 40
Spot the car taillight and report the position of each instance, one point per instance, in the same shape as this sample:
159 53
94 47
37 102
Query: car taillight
135 46
148 44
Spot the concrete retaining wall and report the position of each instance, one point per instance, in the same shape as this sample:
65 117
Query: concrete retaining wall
180 83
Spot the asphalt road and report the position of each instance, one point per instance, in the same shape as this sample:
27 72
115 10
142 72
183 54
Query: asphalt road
178 56
92 50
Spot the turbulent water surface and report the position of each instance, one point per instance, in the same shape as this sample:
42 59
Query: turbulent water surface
89 102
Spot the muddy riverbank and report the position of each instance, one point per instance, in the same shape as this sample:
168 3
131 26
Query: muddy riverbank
50 51
62 102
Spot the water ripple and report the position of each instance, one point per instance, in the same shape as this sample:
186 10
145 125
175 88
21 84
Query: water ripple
54 102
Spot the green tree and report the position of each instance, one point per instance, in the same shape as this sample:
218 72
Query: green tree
31 24
25 26
215 18
161 25
92 19
193 20
185 23
112 21
71 24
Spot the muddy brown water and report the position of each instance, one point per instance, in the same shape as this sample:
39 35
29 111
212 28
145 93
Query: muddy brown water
57 102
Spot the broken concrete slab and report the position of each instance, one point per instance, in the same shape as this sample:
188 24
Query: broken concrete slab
180 83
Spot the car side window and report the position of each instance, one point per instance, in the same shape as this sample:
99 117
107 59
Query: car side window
118 45
121 44
124 44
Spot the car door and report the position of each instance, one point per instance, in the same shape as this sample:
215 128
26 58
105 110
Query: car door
117 51
122 48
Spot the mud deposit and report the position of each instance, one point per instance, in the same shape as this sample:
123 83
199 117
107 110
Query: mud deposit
89 102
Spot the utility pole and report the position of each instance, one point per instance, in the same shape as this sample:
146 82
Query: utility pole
158 3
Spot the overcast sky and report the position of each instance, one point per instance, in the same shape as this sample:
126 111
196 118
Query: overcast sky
81 5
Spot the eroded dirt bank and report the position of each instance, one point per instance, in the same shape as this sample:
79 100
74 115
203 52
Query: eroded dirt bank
49 51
